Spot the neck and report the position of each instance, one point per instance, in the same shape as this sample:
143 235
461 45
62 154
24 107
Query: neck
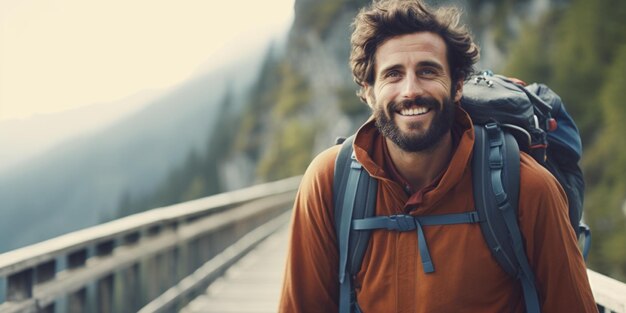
421 168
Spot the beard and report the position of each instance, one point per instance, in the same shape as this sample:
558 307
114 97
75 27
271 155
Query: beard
415 141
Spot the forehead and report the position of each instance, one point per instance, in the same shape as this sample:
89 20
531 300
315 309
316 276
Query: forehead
412 48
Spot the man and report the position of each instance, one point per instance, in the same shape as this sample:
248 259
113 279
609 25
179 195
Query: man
410 63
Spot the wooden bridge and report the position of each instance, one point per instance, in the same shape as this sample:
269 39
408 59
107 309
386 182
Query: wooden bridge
223 253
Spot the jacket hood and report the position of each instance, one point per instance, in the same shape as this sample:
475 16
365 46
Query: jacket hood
368 151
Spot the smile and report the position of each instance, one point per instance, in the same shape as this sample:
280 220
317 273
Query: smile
414 111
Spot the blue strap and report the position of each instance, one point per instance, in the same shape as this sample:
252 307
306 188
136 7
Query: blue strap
525 275
393 222
496 164
345 283
427 262
346 216
404 222
449 219
346 295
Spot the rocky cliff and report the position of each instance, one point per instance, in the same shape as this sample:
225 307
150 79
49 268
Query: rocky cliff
325 105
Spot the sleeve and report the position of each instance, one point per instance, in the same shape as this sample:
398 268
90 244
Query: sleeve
551 243
311 281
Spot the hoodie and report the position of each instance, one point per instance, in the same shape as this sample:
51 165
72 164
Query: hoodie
467 277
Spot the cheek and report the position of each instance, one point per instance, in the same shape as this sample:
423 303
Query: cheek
440 87
385 94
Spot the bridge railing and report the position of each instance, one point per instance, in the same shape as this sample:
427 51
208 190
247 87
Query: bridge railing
158 260
150 261
610 294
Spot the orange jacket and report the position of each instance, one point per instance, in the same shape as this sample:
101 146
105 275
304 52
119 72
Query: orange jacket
467 277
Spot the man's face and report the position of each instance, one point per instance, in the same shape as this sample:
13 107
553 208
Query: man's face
413 95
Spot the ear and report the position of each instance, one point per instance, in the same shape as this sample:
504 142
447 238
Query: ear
459 90
368 92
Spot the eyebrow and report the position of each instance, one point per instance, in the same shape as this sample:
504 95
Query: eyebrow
431 64
426 63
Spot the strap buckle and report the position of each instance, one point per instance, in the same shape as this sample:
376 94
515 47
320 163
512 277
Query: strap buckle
473 217
494 134
401 222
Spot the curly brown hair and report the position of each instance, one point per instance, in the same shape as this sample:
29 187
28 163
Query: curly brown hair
385 19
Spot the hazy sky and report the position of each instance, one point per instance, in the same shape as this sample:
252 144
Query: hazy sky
60 54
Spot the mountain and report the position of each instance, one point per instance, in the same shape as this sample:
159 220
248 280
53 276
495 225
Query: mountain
78 183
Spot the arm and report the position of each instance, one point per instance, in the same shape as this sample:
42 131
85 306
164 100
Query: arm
551 244
311 283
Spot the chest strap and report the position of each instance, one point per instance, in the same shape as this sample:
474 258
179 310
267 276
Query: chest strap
405 222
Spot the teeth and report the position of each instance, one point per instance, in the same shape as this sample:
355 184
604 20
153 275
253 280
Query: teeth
414 111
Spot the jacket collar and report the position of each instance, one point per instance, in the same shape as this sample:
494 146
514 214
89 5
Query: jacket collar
368 151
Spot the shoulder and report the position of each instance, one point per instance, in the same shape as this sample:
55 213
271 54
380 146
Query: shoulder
317 183
313 206
322 168
541 195
536 179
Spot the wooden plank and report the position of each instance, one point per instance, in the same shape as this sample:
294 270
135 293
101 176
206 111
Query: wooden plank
252 285
214 268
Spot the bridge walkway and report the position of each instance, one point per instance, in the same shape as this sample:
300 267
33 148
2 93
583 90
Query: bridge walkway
252 285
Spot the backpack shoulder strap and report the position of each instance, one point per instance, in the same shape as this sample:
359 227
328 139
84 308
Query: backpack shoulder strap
496 176
354 197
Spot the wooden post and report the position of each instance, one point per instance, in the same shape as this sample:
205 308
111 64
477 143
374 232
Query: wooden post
46 272
165 269
77 301
173 266
128 283
195 255
132 282
172 257
150 270
105 294
104 297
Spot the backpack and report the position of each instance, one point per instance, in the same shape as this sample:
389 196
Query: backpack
508 117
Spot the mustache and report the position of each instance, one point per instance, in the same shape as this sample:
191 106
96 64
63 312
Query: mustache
427 102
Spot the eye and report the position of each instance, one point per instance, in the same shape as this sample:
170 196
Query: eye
392 74
427 72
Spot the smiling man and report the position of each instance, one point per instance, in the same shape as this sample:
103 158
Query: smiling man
413 97
411 62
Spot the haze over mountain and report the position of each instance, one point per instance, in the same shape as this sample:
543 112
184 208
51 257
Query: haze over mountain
25 138
72 180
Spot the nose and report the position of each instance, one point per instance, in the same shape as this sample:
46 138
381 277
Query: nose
411 87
